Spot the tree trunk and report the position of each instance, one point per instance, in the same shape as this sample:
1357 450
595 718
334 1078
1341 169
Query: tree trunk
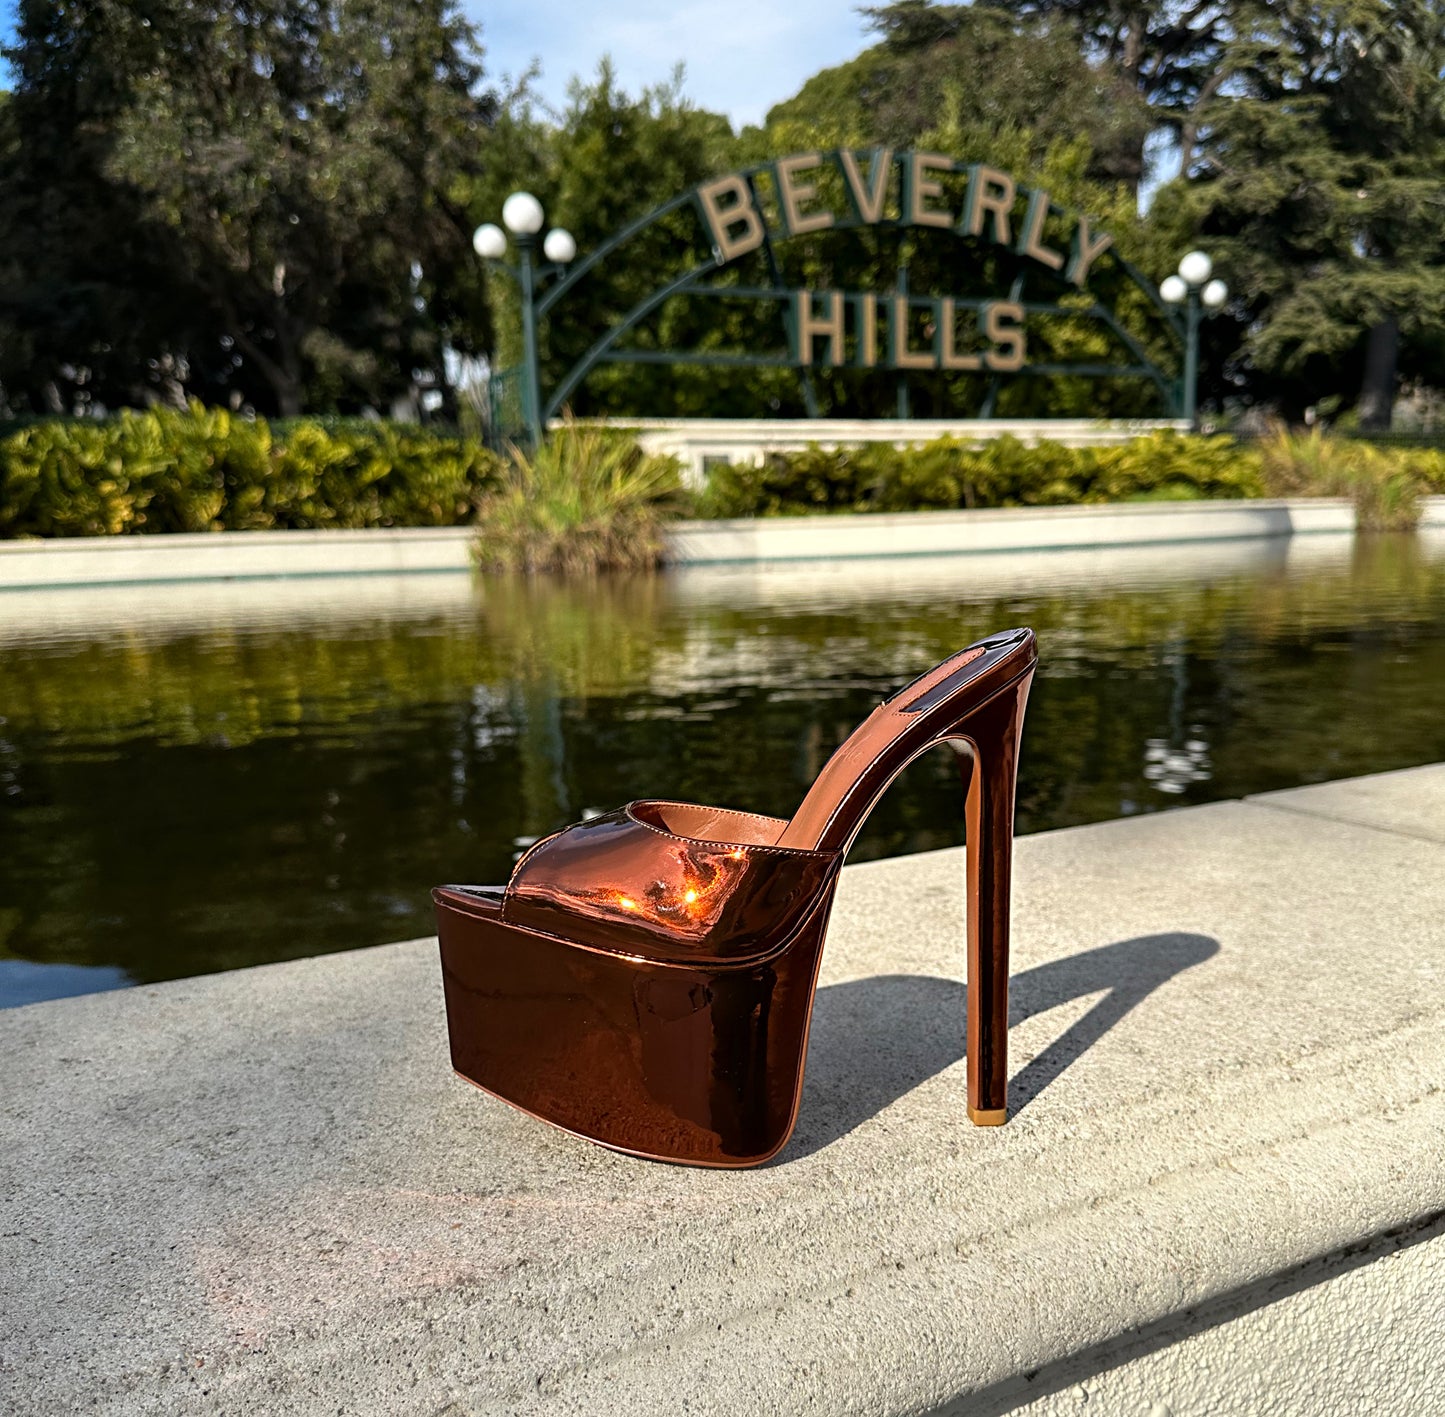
288 397
1132 59
1189 128
284 376
1377 389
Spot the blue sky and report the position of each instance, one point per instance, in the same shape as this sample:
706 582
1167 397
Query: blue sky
741 56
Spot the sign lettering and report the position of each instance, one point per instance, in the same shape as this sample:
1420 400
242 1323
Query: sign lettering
737 223
727 203
830 329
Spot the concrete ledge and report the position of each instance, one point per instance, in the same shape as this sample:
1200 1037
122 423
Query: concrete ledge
1410 802
254 555
701 441
1432 511
265 1192
1002 529
239 555
49 614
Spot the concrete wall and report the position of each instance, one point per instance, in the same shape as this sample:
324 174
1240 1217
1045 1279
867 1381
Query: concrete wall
241 555
1003 529
1361 1333
701 441
254 555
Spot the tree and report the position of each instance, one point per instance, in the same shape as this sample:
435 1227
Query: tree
88 310
1319 189
609 159
986 68
277 173
1167 53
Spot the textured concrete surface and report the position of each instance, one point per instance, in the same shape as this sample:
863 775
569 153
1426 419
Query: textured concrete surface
1411 802
1366 1339
264 1192
259 555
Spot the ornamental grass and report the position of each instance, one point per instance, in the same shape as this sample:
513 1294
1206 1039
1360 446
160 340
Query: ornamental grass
588 499
1386 484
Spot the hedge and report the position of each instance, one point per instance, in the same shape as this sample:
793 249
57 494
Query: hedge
210 470
1004 472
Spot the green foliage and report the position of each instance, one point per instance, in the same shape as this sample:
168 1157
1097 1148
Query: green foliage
209 470
1317 187
214 198
985 67
614 156
272 201
588 499
1385 483
611 158
1165 56
1003 472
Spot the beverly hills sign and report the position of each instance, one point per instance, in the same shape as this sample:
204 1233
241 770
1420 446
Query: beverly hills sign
738 250
845 328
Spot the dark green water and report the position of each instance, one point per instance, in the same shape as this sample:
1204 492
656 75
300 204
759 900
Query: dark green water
196 778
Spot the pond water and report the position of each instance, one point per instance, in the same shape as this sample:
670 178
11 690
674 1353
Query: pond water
200 777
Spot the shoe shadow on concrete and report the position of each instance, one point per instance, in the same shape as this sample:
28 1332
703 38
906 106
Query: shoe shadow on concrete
873 1040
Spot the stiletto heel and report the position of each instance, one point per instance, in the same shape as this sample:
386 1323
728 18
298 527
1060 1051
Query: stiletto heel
646 978
989 763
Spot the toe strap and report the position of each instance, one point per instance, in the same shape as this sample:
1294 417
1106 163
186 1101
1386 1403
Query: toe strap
624 882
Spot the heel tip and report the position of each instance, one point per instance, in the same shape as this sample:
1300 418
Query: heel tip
988 1116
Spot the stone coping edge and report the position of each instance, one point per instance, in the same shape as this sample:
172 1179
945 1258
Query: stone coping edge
260 555
262 1191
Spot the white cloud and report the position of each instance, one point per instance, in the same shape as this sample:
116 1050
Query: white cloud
741 57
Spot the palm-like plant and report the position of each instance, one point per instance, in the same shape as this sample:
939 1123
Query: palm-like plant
587 499
1385 488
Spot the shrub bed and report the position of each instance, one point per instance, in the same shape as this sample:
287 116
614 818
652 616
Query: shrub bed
1002 473
210 470
1386 482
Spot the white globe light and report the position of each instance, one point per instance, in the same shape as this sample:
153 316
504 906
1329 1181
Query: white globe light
1214 294
1196 267
559 246
489 242
522 214
1173 289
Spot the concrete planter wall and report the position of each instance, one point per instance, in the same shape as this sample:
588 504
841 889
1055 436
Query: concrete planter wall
698 442
1004 529
1221 1192
258 555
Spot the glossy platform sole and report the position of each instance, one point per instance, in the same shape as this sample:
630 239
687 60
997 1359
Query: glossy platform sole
702 1066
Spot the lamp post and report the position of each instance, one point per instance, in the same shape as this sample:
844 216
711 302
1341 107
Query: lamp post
523 216
1193 288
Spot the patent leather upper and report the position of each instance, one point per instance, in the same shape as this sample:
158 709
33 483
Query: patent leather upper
920 714
645 979
627 881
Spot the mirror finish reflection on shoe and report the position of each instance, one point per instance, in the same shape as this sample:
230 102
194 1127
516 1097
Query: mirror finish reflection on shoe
645 978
